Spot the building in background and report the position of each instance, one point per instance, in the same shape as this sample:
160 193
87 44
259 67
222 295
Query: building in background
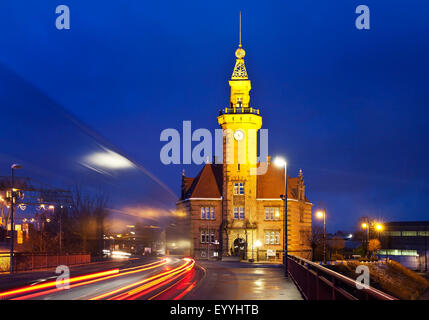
407 243
228 209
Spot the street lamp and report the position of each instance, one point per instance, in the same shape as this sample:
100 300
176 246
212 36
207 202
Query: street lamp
365 225
258 244
12 203
379 228
280 162
321 214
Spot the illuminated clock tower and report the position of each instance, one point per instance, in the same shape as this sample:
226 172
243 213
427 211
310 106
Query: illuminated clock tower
234 208
240 123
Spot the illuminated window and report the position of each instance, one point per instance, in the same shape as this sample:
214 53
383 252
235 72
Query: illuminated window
398 252
239 213
239 188
409 233
393 233
272 237
212 238
272 213
207 213
267 238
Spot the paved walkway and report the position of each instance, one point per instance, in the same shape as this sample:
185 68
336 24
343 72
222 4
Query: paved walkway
243 281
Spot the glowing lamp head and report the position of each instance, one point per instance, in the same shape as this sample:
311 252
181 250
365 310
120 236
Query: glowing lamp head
320 214
279 162
364 225
379 227
258 243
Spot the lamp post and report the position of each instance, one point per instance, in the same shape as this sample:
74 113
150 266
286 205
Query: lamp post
379 228
279 162
322 214
365 225
12 204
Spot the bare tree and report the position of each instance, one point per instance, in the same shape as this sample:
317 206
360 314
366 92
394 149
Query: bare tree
89 213
315 238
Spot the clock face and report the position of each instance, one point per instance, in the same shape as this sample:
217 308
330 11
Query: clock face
238 135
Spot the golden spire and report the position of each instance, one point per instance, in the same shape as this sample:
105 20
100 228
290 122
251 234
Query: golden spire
239 33
239 72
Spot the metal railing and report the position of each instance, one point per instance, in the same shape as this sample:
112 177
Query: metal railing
29 262
238 110
319 283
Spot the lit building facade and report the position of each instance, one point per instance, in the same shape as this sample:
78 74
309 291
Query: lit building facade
231 209
406 242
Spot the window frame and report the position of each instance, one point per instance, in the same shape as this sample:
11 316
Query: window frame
270 213
238 189
207 213
239 213
272 237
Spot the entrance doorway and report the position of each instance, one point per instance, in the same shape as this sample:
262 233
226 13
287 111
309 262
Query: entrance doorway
240 247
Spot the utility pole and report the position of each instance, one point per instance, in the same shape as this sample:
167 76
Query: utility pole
61 228
12 204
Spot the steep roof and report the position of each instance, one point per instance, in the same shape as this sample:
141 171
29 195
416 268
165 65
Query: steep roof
271 184
207 184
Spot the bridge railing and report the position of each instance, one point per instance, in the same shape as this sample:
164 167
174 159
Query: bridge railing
319 283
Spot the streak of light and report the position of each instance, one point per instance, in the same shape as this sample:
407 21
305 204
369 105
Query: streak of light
160 280
186 291
189 263
122 273
54 283
172 286
157 287
107 159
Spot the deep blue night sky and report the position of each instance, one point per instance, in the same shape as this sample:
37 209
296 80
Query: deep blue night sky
348 106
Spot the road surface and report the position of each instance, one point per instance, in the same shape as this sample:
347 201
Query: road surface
163 278
243 281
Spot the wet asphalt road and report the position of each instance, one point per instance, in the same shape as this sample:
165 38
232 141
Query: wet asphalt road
243 281
207 280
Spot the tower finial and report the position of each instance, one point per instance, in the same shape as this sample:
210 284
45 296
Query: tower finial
240 32
239 72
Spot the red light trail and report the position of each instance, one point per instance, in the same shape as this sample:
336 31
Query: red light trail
96 277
